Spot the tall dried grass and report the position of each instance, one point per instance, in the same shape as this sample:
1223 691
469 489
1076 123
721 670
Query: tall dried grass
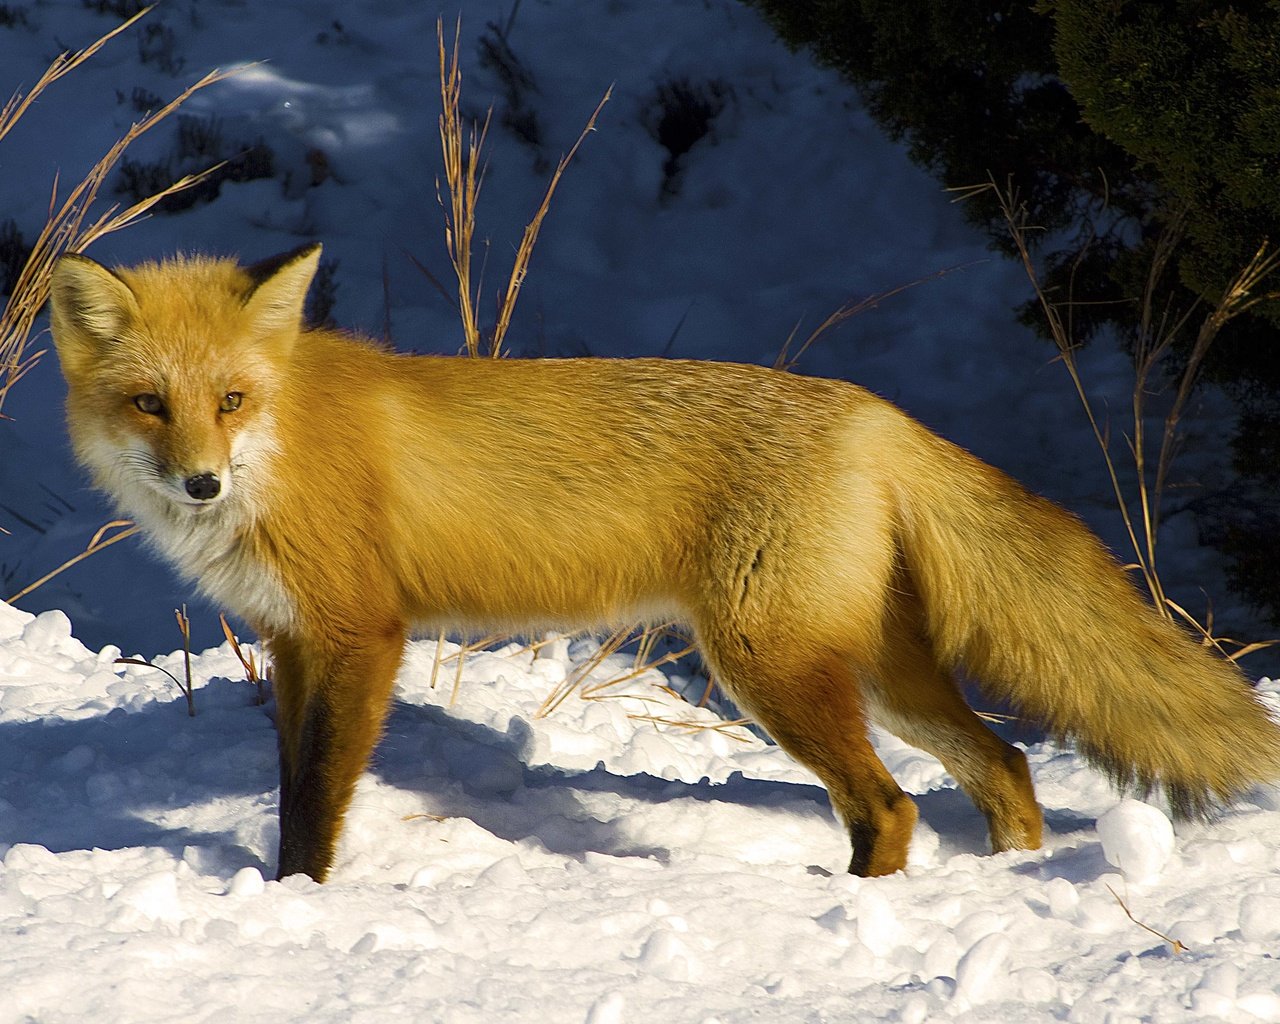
71 226
461 149
1160 328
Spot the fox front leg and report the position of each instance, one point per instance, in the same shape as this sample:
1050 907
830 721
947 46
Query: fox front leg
330 707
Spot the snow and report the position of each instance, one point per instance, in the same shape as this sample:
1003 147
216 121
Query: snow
583 866
589 864
1137 839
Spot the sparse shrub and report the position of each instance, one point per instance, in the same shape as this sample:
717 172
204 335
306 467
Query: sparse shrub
199 138
158 45
680 114
122 9
336 34
199 143
142 100
141 178
13 17
518 115
14 252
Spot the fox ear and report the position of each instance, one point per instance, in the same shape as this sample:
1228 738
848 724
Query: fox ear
90 306
279 289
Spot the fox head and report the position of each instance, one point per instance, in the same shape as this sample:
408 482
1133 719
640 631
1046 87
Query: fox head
172 368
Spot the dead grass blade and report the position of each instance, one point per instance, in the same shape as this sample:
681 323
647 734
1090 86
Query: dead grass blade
645 639
187 688
98 543
461 151
524 253
688 725
1205 633
1158 330
1174 944
67 226
63 64
786 361
247 661
461 654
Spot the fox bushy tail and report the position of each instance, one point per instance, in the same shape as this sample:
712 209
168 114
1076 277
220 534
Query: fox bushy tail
1022 597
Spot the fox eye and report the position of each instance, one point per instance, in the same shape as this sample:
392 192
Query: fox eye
149 403
230 401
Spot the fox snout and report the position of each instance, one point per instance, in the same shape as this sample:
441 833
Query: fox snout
203 486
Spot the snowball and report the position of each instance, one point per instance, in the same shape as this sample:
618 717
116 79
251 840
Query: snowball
154 896
1207 1003
1194 934
1259 917
1064 899
608 1009
1035 985
664 955
47 631
981 973
1137 839
246 882
1263 1005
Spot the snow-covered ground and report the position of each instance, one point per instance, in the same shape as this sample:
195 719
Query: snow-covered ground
586 866
589 865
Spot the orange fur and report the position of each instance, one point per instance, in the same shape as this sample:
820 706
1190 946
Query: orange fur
835 560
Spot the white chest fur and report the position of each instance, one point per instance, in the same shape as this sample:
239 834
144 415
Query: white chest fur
211 548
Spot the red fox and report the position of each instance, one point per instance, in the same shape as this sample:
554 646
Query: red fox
835 560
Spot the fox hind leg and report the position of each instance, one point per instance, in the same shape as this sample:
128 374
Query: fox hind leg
916 699
813 711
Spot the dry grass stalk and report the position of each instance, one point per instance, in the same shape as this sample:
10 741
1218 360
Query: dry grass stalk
435 662
463 178
96 544
786 361
524 253
63 64
247 661
689 725
184 627
67 227
1207 636
187 688
1174 944
1158 330
644 637
463 173
461 151
461 654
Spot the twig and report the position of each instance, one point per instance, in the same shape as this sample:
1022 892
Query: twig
1174 944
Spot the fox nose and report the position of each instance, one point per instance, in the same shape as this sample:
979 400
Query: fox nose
203 487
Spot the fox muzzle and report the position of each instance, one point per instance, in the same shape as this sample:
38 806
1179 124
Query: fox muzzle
203 487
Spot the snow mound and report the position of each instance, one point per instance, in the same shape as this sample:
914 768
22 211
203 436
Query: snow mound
592 864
